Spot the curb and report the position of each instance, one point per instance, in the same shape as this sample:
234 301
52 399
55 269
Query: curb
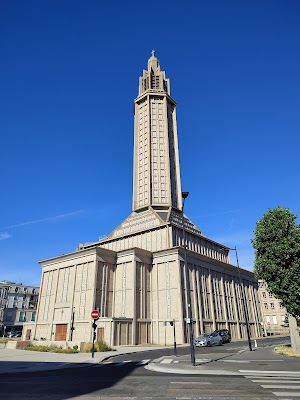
158 368
123 354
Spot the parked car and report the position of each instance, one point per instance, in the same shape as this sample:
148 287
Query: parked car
208 339
225 335
13 334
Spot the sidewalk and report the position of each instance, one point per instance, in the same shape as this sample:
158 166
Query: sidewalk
12 360
262 360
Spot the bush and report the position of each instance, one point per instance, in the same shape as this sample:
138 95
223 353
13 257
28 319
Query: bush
43 349
23 343
65 351
99 346
102 346
87 347
27 345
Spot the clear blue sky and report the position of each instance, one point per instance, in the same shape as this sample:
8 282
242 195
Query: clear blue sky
68 76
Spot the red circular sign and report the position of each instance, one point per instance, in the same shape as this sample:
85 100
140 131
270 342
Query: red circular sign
95 314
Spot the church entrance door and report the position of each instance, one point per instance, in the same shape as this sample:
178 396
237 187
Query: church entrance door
61 332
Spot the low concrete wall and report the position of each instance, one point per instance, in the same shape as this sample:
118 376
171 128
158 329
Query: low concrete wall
11 344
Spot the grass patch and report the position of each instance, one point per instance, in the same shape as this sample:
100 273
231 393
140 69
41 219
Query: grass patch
286 351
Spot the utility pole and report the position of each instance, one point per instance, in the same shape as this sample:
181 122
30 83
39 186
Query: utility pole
187 284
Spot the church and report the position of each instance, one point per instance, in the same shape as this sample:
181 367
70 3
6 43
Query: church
155 264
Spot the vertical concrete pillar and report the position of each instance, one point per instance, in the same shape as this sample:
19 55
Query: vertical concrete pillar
224 301
236 308
134 319
212 300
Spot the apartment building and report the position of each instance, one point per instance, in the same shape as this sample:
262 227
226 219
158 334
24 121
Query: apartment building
18 304
273 312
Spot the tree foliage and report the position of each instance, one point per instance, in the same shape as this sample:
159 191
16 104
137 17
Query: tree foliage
277 256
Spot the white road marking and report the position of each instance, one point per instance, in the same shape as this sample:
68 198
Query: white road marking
252 372
280 386
191 383
166 361
273 381
271 377
288 394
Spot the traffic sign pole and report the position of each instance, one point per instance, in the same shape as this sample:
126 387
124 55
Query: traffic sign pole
95 315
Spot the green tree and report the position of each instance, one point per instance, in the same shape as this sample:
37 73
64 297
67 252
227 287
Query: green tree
277 261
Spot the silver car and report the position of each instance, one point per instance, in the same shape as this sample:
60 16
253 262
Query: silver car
209 339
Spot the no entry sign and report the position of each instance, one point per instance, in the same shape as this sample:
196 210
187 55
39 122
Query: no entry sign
95 314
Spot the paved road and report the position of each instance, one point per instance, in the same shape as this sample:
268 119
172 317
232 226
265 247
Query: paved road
124 377
233 347
126 381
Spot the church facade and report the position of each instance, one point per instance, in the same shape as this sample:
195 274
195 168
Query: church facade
136 276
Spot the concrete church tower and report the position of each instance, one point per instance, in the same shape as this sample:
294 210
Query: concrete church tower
137 275
156 159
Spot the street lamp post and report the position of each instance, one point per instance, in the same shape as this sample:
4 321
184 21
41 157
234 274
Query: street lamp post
243 298
187 280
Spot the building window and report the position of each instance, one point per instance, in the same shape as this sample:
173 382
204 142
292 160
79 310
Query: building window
283 318
274 320
266 306
16 298
268 319
270 294
9 316
15 304
22 316
272 305
23 305
33 290
281 306
33 316
17 289
25 290
264 295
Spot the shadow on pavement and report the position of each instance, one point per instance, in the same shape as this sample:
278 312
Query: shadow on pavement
63 383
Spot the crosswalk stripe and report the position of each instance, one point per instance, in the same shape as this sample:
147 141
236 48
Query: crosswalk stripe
251 372
273 381
283 380
166 361
280 386
295 378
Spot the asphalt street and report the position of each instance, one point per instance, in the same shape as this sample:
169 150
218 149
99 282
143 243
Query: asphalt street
233 347
125 381
125 377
